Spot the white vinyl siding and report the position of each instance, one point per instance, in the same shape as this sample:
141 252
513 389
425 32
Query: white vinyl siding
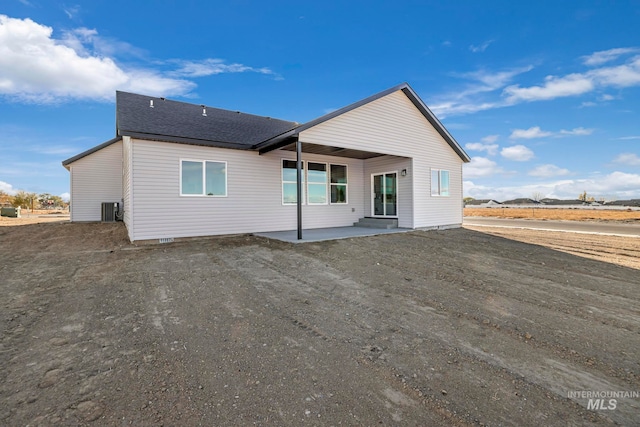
393 125
127 196
251 205
95 179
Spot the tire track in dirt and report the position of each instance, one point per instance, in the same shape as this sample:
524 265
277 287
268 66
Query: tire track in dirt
404 328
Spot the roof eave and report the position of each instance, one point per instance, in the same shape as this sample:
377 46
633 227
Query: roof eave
188 141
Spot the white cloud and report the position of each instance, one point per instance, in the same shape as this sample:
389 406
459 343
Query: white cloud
480 167
7 188
212 66
71 11
482 82
617 185
577 131
486 90
628 138
536 132
619 76
553 87
548 171
603 56
630 159
491 149
532 132
35 67
65 196
490 139
481 47
518 153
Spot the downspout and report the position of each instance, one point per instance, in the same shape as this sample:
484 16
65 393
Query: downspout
299 184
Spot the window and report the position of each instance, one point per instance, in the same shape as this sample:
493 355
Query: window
290 182
321 183
338 184
439 182
317 183
203 178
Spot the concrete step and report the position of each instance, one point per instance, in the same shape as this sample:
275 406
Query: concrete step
368 222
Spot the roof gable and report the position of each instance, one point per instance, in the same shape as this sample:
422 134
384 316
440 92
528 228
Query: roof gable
284 138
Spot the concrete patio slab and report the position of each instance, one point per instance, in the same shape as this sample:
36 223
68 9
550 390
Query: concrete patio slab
333 233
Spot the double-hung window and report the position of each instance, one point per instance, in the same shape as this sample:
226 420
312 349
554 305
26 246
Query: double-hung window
439 182
338 184
203 178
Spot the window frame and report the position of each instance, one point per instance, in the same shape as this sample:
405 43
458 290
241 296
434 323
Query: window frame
283 182
325 183
439 192
204 177
346 184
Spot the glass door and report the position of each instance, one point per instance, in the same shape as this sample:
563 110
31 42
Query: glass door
384 194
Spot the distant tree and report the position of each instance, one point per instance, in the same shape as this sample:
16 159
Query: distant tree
48 201
25 200
57 202
467 199
537 196
583 196
5 198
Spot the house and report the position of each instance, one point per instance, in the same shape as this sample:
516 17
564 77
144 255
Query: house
185 170
483 203
562 202
521 201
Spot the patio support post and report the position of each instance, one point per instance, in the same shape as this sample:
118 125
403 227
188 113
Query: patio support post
299 182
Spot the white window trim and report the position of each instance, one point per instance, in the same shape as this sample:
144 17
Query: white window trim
282 182
326 186
439 193
346 168
204 175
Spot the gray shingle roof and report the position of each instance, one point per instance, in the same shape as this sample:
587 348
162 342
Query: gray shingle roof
183 122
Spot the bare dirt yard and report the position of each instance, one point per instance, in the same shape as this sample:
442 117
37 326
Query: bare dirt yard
459 327
632 216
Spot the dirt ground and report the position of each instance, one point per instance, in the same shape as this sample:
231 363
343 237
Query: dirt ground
632 216
458 327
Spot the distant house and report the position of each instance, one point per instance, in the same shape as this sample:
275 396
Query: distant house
185 170
630 203
521 201
482 202
561 202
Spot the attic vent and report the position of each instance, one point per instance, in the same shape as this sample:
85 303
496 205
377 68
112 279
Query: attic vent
151 103
204 111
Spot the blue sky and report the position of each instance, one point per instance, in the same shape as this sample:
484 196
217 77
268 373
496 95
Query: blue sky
543 95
